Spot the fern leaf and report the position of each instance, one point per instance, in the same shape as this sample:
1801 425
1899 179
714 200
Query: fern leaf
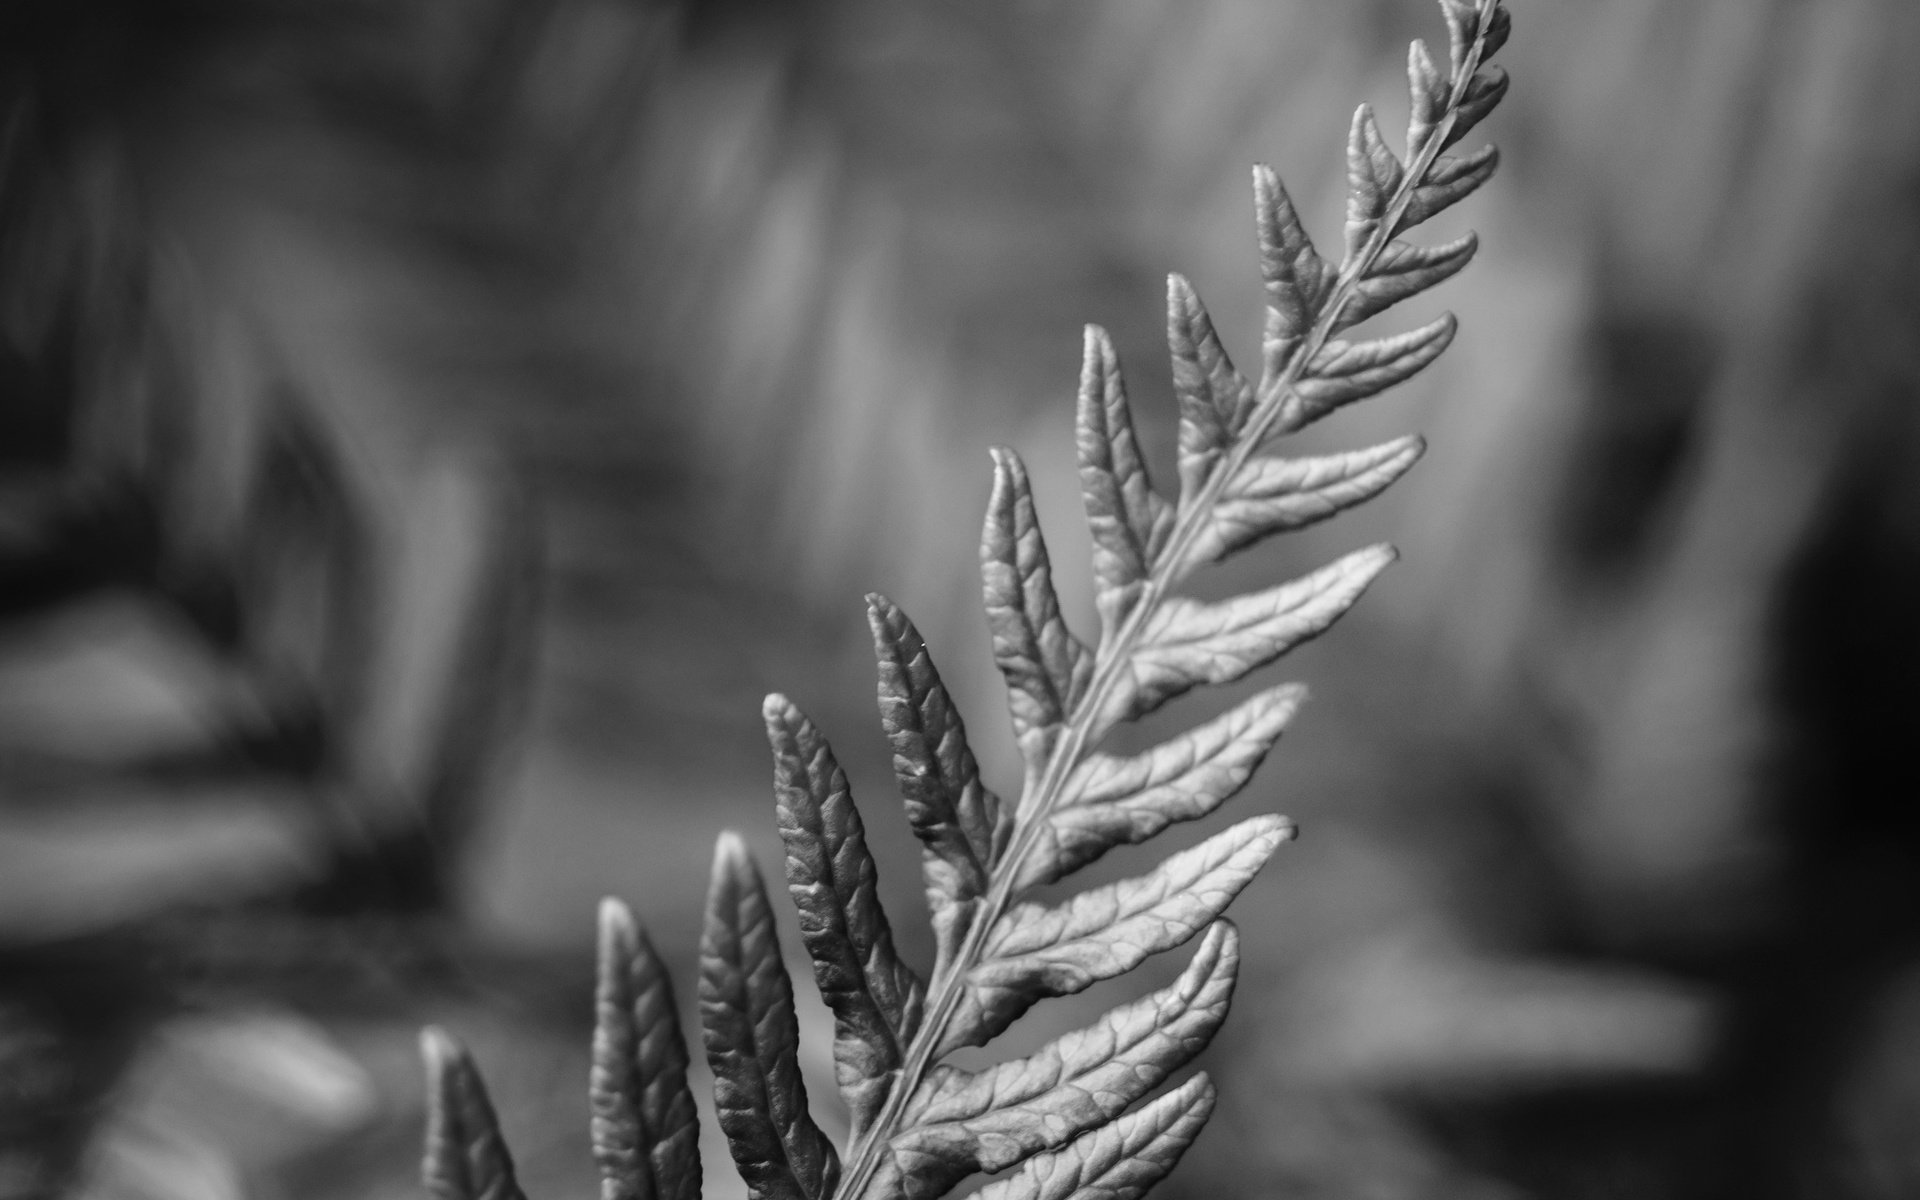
1451 181
961 823
1298 280
1118 1161
1045 666
1404 270
1279 495
1125 801
1428 93
1128 519
1463 29
1347 371
989 1120
1186 642
646 1135
1035 951
875 998
752 1039
466 1158
1485 90
1066 947
1213 395
1374 175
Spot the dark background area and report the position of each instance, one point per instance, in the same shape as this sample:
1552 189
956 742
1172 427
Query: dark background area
427 429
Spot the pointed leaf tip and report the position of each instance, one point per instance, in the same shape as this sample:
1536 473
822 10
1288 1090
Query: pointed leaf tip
730 855
613 910
618 929
438 1048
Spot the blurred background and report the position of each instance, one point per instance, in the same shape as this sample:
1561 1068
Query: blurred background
427 428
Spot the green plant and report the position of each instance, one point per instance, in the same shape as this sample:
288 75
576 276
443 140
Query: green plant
1060 1115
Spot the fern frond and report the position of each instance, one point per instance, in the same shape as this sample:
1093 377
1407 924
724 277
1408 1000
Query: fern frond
1000 954
1057 1119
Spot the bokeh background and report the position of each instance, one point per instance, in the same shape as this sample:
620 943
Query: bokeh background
427 428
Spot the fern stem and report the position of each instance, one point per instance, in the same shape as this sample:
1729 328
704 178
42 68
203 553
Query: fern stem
946 989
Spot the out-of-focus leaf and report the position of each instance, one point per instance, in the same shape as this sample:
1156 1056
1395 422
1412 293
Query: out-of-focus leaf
963 825
1212 394
1450 181
752 1038
1125 801
1128 519
646 1133
1484 91
1189 642
960 1122
1347 371
1118 1161
875 998
1373 176
1278 495
1045 666
1403 270
466 1158
1463 25
1298 280
1035 951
